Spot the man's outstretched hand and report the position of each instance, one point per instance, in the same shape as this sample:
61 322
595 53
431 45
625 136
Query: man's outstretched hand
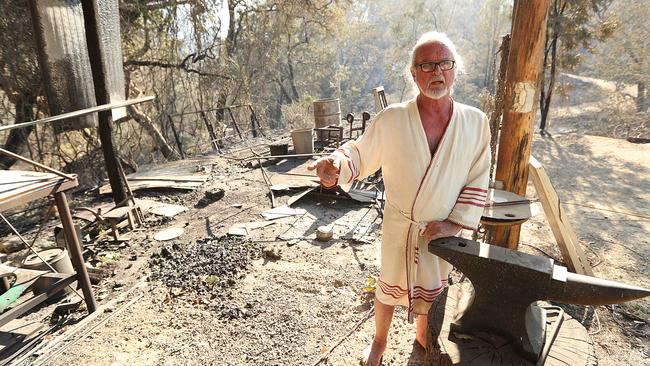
327 169
440 229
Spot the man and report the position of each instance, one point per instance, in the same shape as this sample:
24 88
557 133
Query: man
435 159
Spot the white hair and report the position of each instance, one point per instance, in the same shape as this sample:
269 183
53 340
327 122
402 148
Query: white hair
437 37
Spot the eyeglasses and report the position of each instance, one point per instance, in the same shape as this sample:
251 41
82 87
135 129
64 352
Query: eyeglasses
445 65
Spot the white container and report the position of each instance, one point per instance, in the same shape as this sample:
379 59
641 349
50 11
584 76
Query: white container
303 140
59 259
324 233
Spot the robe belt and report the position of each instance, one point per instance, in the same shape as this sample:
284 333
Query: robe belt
411 265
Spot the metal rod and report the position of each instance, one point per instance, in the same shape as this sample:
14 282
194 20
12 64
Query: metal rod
234 123
213 137
78 113
287 156
44 167
74 247
266 178
511 203
138 214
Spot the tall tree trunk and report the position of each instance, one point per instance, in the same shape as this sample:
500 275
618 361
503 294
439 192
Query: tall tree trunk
292 80
17 140
152 130
229 50
545 96
641 101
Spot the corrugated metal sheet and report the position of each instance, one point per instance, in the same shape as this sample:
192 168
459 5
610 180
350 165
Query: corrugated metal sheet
63 56
111 44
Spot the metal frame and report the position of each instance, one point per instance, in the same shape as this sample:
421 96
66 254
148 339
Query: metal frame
57 188
255 125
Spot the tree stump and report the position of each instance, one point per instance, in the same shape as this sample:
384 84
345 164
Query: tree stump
572 346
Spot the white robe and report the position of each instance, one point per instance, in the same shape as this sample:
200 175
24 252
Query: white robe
420 188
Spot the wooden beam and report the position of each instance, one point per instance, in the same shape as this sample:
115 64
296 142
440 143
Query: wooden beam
522 85
105 118
574 258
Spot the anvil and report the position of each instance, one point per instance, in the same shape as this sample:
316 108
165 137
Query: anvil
506 282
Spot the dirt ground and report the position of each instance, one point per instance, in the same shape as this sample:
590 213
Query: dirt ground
297 298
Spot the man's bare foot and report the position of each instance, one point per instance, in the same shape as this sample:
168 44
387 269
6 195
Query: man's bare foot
421 330
373 354
421 342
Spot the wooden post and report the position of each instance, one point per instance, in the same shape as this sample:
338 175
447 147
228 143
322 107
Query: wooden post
102 95
522 90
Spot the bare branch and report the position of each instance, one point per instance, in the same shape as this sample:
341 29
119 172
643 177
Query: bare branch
166 65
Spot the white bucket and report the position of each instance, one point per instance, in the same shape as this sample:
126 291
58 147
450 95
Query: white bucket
303 140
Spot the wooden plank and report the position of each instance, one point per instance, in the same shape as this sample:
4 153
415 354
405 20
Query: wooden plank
184 178
105 189
118 212
565 237
300 195
24 196
294 181
16 333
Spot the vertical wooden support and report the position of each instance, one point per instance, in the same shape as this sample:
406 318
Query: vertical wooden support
522 85
74 248
105 128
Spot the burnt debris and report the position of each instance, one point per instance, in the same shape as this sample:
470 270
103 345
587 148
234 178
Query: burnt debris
206 267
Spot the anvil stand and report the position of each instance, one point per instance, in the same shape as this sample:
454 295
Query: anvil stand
446 347
493 322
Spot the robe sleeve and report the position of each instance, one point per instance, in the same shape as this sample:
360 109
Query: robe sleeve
361 157
469 206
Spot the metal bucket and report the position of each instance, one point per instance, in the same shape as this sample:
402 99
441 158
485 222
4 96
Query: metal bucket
327 112
58 258
303 140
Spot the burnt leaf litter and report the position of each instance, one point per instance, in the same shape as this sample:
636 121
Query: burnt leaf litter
207 268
